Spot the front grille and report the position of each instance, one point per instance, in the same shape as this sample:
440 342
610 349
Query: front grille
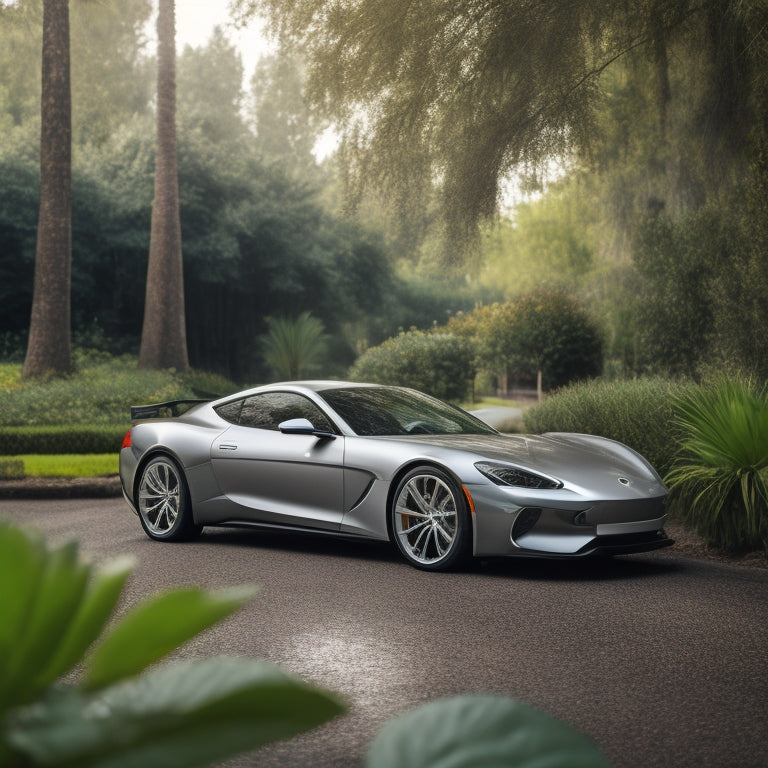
627 542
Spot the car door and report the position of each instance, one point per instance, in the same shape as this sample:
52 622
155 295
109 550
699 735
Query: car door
271 477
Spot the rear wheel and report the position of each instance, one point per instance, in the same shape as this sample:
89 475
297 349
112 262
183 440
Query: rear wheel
429 520
164 508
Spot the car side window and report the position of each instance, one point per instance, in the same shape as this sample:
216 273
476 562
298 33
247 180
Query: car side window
270 409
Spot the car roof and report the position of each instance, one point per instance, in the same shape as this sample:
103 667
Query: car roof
312 386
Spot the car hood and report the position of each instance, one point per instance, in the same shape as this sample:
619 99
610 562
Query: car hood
582 460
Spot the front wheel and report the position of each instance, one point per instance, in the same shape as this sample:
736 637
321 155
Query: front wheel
164 508
429 520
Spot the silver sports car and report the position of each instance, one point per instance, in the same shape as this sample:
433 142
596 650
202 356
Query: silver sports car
385 463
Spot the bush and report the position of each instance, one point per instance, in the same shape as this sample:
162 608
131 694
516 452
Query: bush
437 363
639 413
557 337
100 392
719 480
543 331
62 439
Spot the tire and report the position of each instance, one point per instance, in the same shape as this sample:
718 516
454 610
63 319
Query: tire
429 520
163 502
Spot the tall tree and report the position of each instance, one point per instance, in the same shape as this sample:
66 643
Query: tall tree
464 93
285 129
163 336
49 347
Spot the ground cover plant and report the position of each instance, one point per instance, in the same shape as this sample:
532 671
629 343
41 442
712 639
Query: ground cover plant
719 479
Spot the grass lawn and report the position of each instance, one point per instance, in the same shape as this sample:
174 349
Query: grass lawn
74 465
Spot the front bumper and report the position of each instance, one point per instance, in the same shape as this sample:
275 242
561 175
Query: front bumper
559 526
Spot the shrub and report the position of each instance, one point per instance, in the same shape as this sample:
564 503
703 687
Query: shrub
99 393
719 480
557 337
437 363
62 439
544 331
639 413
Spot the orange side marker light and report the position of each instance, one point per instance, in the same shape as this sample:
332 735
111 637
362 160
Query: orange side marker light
469 499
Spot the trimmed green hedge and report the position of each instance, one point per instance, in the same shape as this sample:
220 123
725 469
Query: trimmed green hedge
639 413
61 439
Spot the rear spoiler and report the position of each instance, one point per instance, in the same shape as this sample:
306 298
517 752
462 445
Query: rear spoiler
167 410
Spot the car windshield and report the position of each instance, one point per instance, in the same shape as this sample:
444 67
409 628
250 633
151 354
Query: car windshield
383 411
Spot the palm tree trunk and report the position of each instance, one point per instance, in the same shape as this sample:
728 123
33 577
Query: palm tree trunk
163 336
49 346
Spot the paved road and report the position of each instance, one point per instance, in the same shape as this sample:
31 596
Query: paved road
659 659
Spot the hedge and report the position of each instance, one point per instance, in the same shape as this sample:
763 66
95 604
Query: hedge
61 439
439 364
639 413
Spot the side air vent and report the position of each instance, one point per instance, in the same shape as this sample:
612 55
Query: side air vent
525 520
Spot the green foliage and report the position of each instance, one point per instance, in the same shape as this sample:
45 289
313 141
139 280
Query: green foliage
554 335
675 312
293 348
439 90
639 413
470 731
63 439
70 465
99 394
719 478
543 331
546 245
12 469
56 615
437 363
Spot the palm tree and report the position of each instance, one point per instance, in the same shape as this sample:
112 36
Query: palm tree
293 348
49 346
163 336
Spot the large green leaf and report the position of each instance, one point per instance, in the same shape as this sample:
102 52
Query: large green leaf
52 583
93 613
22 559
156 627
186 715
480 732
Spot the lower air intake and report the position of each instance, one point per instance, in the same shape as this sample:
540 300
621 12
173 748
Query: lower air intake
525 520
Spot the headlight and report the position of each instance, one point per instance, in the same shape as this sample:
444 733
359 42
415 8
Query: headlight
504 474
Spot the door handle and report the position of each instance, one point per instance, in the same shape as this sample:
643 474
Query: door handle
227 447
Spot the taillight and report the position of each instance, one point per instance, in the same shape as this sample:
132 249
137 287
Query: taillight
127 440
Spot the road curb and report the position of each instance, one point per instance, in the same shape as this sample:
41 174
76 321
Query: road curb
61 488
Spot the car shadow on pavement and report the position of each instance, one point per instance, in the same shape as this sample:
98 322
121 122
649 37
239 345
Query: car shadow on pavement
301 543
529 568
582 569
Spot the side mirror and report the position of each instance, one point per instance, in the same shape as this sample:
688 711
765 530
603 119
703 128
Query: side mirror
304 427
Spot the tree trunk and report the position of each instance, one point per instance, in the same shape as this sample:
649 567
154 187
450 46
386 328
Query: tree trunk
49 346
163 336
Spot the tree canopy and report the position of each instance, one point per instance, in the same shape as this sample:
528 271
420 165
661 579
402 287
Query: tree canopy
463 93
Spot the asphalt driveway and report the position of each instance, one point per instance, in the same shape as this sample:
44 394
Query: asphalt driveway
660 659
